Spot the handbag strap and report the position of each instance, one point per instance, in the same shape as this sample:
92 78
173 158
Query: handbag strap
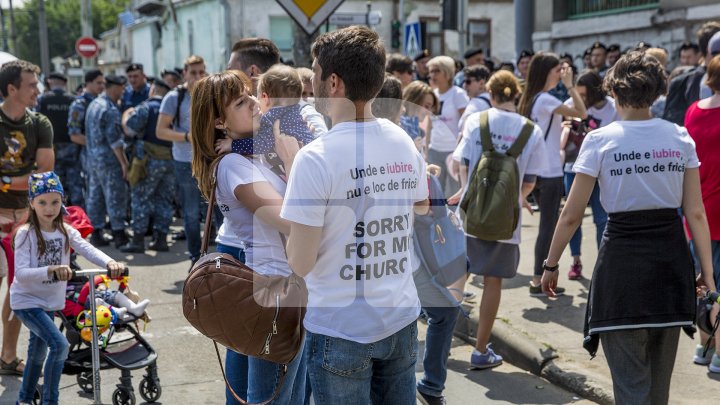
283 373
208 216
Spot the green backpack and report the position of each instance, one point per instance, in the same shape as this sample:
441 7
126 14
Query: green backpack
491 202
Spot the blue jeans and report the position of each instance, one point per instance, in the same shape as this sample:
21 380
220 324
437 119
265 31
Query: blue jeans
191 200
346 372
441 324
599 216
255 380
44 334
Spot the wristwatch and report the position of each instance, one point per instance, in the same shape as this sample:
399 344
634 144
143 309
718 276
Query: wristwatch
6 183
548 268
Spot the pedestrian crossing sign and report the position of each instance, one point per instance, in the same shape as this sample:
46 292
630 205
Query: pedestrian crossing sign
413 40
310 14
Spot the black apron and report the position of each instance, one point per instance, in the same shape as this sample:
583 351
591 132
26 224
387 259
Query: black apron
643 277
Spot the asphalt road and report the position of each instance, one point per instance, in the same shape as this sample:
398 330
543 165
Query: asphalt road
188 368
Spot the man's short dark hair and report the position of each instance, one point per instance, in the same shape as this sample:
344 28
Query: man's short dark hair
478 72
686 46
11 73
357 55
92 74
637 80
704 34
389 100
399 63
614 48
260 52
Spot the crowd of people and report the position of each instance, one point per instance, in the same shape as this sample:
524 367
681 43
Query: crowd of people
321 171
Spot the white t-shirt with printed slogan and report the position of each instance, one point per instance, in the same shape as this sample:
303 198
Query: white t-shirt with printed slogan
542 112
505 127
600 116
640 165
359 182
264 251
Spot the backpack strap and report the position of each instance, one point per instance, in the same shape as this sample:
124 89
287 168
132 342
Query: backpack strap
552 116
485 139
181 90
522 139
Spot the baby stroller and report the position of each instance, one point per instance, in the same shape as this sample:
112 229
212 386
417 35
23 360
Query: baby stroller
124 351
122 348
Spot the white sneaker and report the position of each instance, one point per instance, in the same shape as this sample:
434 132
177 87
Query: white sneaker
700 359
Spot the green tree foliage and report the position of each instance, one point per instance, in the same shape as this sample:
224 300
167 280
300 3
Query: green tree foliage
63 25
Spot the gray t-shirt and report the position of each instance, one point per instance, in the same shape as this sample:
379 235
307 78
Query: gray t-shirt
182 151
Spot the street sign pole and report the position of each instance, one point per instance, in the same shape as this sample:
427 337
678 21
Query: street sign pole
44 50
87 30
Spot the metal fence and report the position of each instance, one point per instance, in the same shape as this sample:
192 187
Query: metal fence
592 8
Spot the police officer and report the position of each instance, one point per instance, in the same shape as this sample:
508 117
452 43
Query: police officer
94 85
106 161
151 195
171 77
138 89
56 106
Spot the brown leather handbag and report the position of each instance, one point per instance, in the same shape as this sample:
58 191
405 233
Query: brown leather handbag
249 313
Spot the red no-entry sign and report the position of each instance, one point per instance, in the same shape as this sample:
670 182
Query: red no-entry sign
87 47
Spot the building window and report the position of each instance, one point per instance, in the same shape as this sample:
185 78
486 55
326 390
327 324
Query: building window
593 8
479 35
281 33
433 38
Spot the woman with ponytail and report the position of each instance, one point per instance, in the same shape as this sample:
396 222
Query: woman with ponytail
536 103
497 260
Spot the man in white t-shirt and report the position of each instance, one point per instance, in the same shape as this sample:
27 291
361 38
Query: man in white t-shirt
350 201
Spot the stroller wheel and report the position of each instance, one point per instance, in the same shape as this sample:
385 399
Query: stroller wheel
150 390
123 397
85 381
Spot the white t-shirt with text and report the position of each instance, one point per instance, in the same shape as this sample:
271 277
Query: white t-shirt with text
542 112
446 127
359 182
640 165
505 127
264 251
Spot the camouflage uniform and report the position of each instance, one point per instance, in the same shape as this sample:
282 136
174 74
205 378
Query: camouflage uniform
132 98
153 195
108 190
76 126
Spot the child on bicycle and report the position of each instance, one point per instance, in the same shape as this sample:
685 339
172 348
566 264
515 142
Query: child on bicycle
42 258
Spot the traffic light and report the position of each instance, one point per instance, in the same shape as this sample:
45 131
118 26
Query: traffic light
450 11
395 34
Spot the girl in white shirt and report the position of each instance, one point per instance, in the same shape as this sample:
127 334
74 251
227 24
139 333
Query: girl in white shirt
547 111
42 258
647 169
249 195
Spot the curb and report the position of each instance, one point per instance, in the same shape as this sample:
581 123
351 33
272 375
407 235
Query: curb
522 350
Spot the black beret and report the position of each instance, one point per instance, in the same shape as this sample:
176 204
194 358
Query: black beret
114 79
598 45
134 66
472 52
422 54
159 82
58 76
171 72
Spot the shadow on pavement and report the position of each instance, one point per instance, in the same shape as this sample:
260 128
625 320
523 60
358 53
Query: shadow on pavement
561 311
527 391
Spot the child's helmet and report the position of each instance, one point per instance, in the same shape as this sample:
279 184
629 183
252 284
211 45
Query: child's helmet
84 322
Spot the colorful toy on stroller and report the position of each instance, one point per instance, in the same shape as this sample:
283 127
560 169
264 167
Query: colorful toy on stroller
113 339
